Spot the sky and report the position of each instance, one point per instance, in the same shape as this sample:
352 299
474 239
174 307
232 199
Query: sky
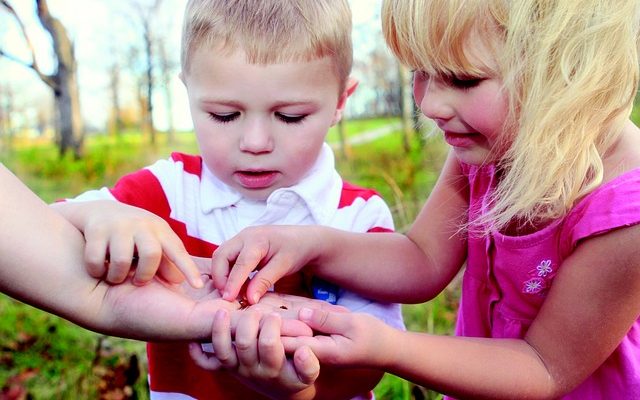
100 30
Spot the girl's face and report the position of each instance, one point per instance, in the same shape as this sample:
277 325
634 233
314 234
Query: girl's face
469 110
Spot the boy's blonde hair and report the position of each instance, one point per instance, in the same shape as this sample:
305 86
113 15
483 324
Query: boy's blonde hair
271 31
570 74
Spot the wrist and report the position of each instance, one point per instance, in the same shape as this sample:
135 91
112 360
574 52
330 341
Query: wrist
307 393
322 244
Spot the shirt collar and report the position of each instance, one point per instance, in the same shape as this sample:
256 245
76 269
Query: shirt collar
320 189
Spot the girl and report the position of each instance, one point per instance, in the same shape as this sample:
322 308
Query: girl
540 195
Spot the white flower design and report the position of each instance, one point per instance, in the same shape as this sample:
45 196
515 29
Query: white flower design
544 268
533 285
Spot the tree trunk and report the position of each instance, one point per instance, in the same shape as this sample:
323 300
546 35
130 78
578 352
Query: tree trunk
67 96
148 44
63 83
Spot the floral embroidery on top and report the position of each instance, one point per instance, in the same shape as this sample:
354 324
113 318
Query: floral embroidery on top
544 268
540 279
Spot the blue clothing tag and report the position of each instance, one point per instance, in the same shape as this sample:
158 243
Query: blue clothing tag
323 290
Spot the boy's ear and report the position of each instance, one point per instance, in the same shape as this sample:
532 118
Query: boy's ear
349 88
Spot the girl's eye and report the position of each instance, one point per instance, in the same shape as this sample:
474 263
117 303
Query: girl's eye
290 119
224 117
464 82
420 75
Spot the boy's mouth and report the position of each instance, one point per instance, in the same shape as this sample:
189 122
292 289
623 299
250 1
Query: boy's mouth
256 179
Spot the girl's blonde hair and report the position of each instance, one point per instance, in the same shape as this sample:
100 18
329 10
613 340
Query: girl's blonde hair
271 31
570 74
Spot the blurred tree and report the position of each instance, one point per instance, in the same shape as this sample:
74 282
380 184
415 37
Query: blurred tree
383 69
115 124
6 112
407 107
167 66
63 82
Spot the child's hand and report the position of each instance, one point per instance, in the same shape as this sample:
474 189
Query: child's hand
276 250
121 238
257 357
344 339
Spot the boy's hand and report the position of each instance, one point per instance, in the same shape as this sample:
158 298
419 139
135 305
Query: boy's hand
122 238
248 344
276 251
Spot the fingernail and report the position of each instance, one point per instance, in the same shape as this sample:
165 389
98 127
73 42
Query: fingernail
305 313
220 315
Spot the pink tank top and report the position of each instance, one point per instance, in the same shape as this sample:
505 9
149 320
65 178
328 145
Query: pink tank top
507 277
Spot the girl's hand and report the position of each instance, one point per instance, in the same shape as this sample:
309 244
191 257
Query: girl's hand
344 339
275 251
124 240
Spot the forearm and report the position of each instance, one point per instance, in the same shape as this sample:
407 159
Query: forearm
41 253
387 267
472 367
42 265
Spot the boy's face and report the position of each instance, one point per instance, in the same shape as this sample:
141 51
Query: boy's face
261 127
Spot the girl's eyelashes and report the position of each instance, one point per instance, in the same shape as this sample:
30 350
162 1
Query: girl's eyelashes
290 119
224 117
464 82
456 81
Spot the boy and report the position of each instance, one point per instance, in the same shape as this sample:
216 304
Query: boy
265 80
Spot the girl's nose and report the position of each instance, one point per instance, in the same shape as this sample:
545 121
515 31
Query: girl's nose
257 138
434 100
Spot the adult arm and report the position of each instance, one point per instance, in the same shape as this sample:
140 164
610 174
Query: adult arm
42 265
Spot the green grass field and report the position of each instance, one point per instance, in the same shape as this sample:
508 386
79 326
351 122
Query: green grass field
44 357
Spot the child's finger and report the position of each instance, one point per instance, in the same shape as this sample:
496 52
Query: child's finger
149 256
295 327
246 338
96 255
175 252
270 347
324 321
221 341
169 272
306 364
120 258
264 279
247 261
221 261
202 359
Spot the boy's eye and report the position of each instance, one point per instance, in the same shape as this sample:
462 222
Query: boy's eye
290 119
224 117
464 82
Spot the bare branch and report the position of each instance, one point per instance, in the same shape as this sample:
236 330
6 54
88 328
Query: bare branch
47 79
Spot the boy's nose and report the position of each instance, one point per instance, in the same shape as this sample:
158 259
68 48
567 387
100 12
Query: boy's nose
257 138
434 101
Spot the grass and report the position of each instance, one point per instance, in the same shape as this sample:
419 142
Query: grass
47 357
